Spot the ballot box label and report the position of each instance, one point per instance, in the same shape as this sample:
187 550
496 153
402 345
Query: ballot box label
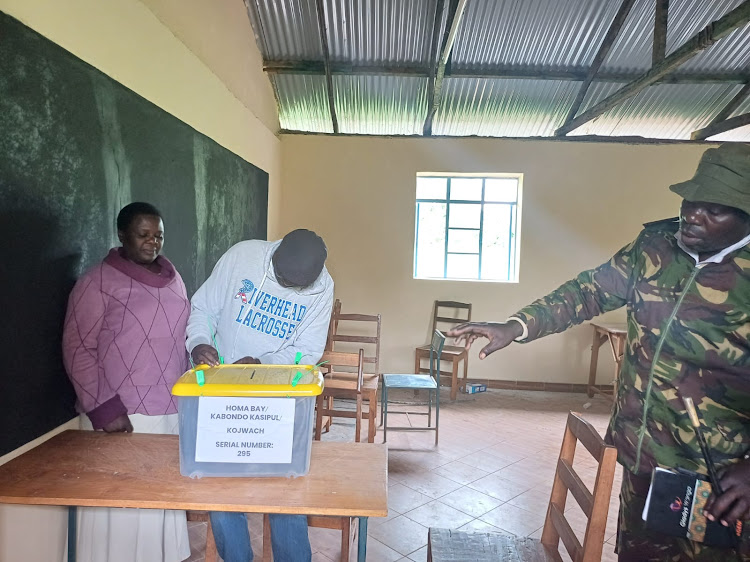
245 430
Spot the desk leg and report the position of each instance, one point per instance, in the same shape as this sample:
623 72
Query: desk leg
594 360
72 534
362 544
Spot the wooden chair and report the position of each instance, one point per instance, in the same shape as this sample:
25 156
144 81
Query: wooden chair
451 353
347 332
341 388
430 382
350 387
444 544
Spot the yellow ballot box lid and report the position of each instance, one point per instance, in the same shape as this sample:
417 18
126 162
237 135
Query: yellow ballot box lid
287 381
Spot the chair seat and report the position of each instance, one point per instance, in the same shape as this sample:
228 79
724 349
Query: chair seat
449 351
449 545
409 381
369 382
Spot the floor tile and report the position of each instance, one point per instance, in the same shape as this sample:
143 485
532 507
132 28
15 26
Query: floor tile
419 556
430 484
534 500
437 514
514 520
499 488
479 526
486 461
401 534
460 472
402 498
378 552
470 501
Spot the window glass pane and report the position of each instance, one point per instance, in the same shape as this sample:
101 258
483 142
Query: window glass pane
431 188
496 241
502 190
467 189
430 247
464 215
463 241
463 267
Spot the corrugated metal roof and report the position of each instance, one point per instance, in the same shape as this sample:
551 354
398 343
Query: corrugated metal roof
552 35
380 105
375 32
631 51
503 108
544 33
303 102
288 30
738 135
666 111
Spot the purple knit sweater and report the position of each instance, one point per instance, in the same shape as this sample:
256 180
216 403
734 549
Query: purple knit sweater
124 338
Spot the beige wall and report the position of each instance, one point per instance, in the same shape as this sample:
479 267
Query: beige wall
219 33
581 203
130 43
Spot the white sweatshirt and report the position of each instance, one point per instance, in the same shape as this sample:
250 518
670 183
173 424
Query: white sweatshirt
251 314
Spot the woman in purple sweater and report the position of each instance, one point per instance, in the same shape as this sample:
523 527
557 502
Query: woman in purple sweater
124 347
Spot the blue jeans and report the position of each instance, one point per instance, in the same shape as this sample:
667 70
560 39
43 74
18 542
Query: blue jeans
289 540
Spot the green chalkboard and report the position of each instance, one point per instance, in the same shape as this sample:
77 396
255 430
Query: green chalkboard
75 147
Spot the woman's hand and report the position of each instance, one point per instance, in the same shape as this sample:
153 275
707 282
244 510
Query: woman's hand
204 354
734 503
247 360
500 334
121 424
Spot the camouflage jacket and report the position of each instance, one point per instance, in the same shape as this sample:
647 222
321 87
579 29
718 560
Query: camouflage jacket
688 335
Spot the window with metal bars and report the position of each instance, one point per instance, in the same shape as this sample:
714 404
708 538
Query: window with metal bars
467 227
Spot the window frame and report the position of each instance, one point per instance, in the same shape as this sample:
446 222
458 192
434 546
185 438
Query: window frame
514 230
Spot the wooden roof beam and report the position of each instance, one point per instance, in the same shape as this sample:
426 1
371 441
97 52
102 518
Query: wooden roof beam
450 37
327 62
721 127
733 104
529 73
712 33
432 72
661 15
601 54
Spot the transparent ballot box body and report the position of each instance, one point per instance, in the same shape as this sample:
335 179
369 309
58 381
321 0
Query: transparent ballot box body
247 420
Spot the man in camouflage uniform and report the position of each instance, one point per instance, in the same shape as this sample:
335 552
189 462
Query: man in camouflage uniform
685 284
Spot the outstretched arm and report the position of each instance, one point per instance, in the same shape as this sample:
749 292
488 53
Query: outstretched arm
500 334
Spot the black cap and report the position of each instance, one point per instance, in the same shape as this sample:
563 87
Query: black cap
300 257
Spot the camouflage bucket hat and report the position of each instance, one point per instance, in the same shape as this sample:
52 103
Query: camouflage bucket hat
723 177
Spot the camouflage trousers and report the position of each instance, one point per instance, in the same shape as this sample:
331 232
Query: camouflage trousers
636 543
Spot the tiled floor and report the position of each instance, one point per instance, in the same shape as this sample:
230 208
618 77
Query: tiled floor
492 471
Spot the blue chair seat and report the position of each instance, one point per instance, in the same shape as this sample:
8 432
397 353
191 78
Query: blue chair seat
409 381
430 383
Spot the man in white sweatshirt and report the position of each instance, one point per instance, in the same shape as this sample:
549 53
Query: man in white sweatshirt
264 303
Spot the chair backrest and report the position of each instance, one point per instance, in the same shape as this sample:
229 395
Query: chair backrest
594 504
436 349
348 332
450 313
343 359
332 324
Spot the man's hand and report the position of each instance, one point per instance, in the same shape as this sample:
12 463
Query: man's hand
204 354
121 424
734 503
247 360
500 334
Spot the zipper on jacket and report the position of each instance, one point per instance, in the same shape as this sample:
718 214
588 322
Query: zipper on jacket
657 354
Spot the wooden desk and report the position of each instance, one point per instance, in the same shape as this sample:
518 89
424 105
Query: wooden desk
616 335
86 468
